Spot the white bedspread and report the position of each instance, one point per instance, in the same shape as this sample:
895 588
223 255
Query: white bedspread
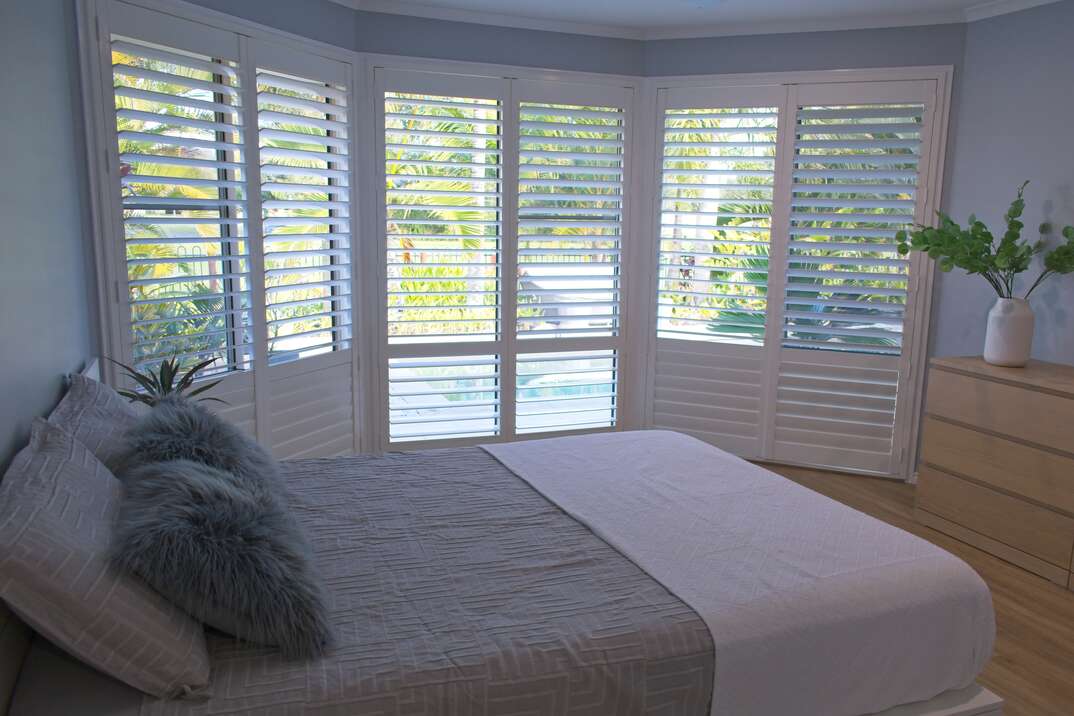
815 609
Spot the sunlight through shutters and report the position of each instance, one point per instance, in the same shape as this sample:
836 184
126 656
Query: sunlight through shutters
570 205
305 187
716 216
179 124
443 171
443 211
855 184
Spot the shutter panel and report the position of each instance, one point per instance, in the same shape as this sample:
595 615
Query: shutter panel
855 183
443 211
716 216
305 188
717 185
179 127
570 205
307 181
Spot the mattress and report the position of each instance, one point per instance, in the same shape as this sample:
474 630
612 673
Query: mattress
814 608
454 588
624 573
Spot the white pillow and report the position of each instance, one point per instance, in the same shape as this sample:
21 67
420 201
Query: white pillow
97 417
57 507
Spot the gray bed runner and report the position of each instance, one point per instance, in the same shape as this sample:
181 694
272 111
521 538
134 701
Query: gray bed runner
457 589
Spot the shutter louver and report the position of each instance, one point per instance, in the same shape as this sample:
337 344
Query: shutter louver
717 182
572 390
570 206
306 233
854 185
179 126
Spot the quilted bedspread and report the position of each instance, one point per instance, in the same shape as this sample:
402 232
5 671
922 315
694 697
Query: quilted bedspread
457 589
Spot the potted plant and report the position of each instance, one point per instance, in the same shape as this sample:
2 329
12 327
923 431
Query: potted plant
162 382
1009 334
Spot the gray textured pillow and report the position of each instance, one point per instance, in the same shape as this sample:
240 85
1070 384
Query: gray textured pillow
57 507
97 417
206 521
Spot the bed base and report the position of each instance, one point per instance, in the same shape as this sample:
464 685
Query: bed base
973 700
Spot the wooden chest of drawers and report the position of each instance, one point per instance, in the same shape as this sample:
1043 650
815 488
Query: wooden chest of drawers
997 462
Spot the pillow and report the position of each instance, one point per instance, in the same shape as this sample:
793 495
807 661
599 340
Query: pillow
240 564
208 526
178 428
97 417
57 507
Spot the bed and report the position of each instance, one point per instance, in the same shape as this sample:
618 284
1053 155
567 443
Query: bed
621 573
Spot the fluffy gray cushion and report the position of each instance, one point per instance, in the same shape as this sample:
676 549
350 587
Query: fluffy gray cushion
205 521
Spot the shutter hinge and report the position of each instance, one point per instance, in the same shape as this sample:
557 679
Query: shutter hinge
115 285
97 26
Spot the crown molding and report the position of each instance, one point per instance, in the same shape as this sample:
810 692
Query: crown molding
417 9
991 8
994 8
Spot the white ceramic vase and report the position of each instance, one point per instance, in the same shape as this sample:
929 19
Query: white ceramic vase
1009 337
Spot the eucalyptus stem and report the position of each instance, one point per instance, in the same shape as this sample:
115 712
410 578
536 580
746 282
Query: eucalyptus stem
1040 279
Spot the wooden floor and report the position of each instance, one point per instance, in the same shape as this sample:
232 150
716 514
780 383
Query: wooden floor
1033 664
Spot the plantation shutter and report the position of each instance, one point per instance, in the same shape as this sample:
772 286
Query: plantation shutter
178 118
305 171
717 181
571 179
783 308
443 205
857 179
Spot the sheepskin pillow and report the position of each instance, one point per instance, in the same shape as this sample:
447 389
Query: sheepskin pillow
57 506
208 525
178 428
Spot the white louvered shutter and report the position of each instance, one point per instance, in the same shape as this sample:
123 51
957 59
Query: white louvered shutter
443 214
717 181
305 161
571 160
179 126
307 182
857 173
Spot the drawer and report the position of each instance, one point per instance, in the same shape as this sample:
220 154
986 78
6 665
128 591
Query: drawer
1039 475
1035 530
1030 415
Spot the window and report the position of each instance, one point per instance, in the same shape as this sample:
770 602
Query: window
179 125
782 304
455 266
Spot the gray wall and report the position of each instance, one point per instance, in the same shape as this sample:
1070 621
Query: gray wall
1015 122
44 291
844 49
423 37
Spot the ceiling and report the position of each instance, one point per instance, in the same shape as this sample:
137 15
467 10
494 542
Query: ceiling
655 19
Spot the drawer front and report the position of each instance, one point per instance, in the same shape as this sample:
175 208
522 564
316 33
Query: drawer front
1029 415
1032 529
1037 474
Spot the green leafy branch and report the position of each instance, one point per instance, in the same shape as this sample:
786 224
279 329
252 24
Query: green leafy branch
975 250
